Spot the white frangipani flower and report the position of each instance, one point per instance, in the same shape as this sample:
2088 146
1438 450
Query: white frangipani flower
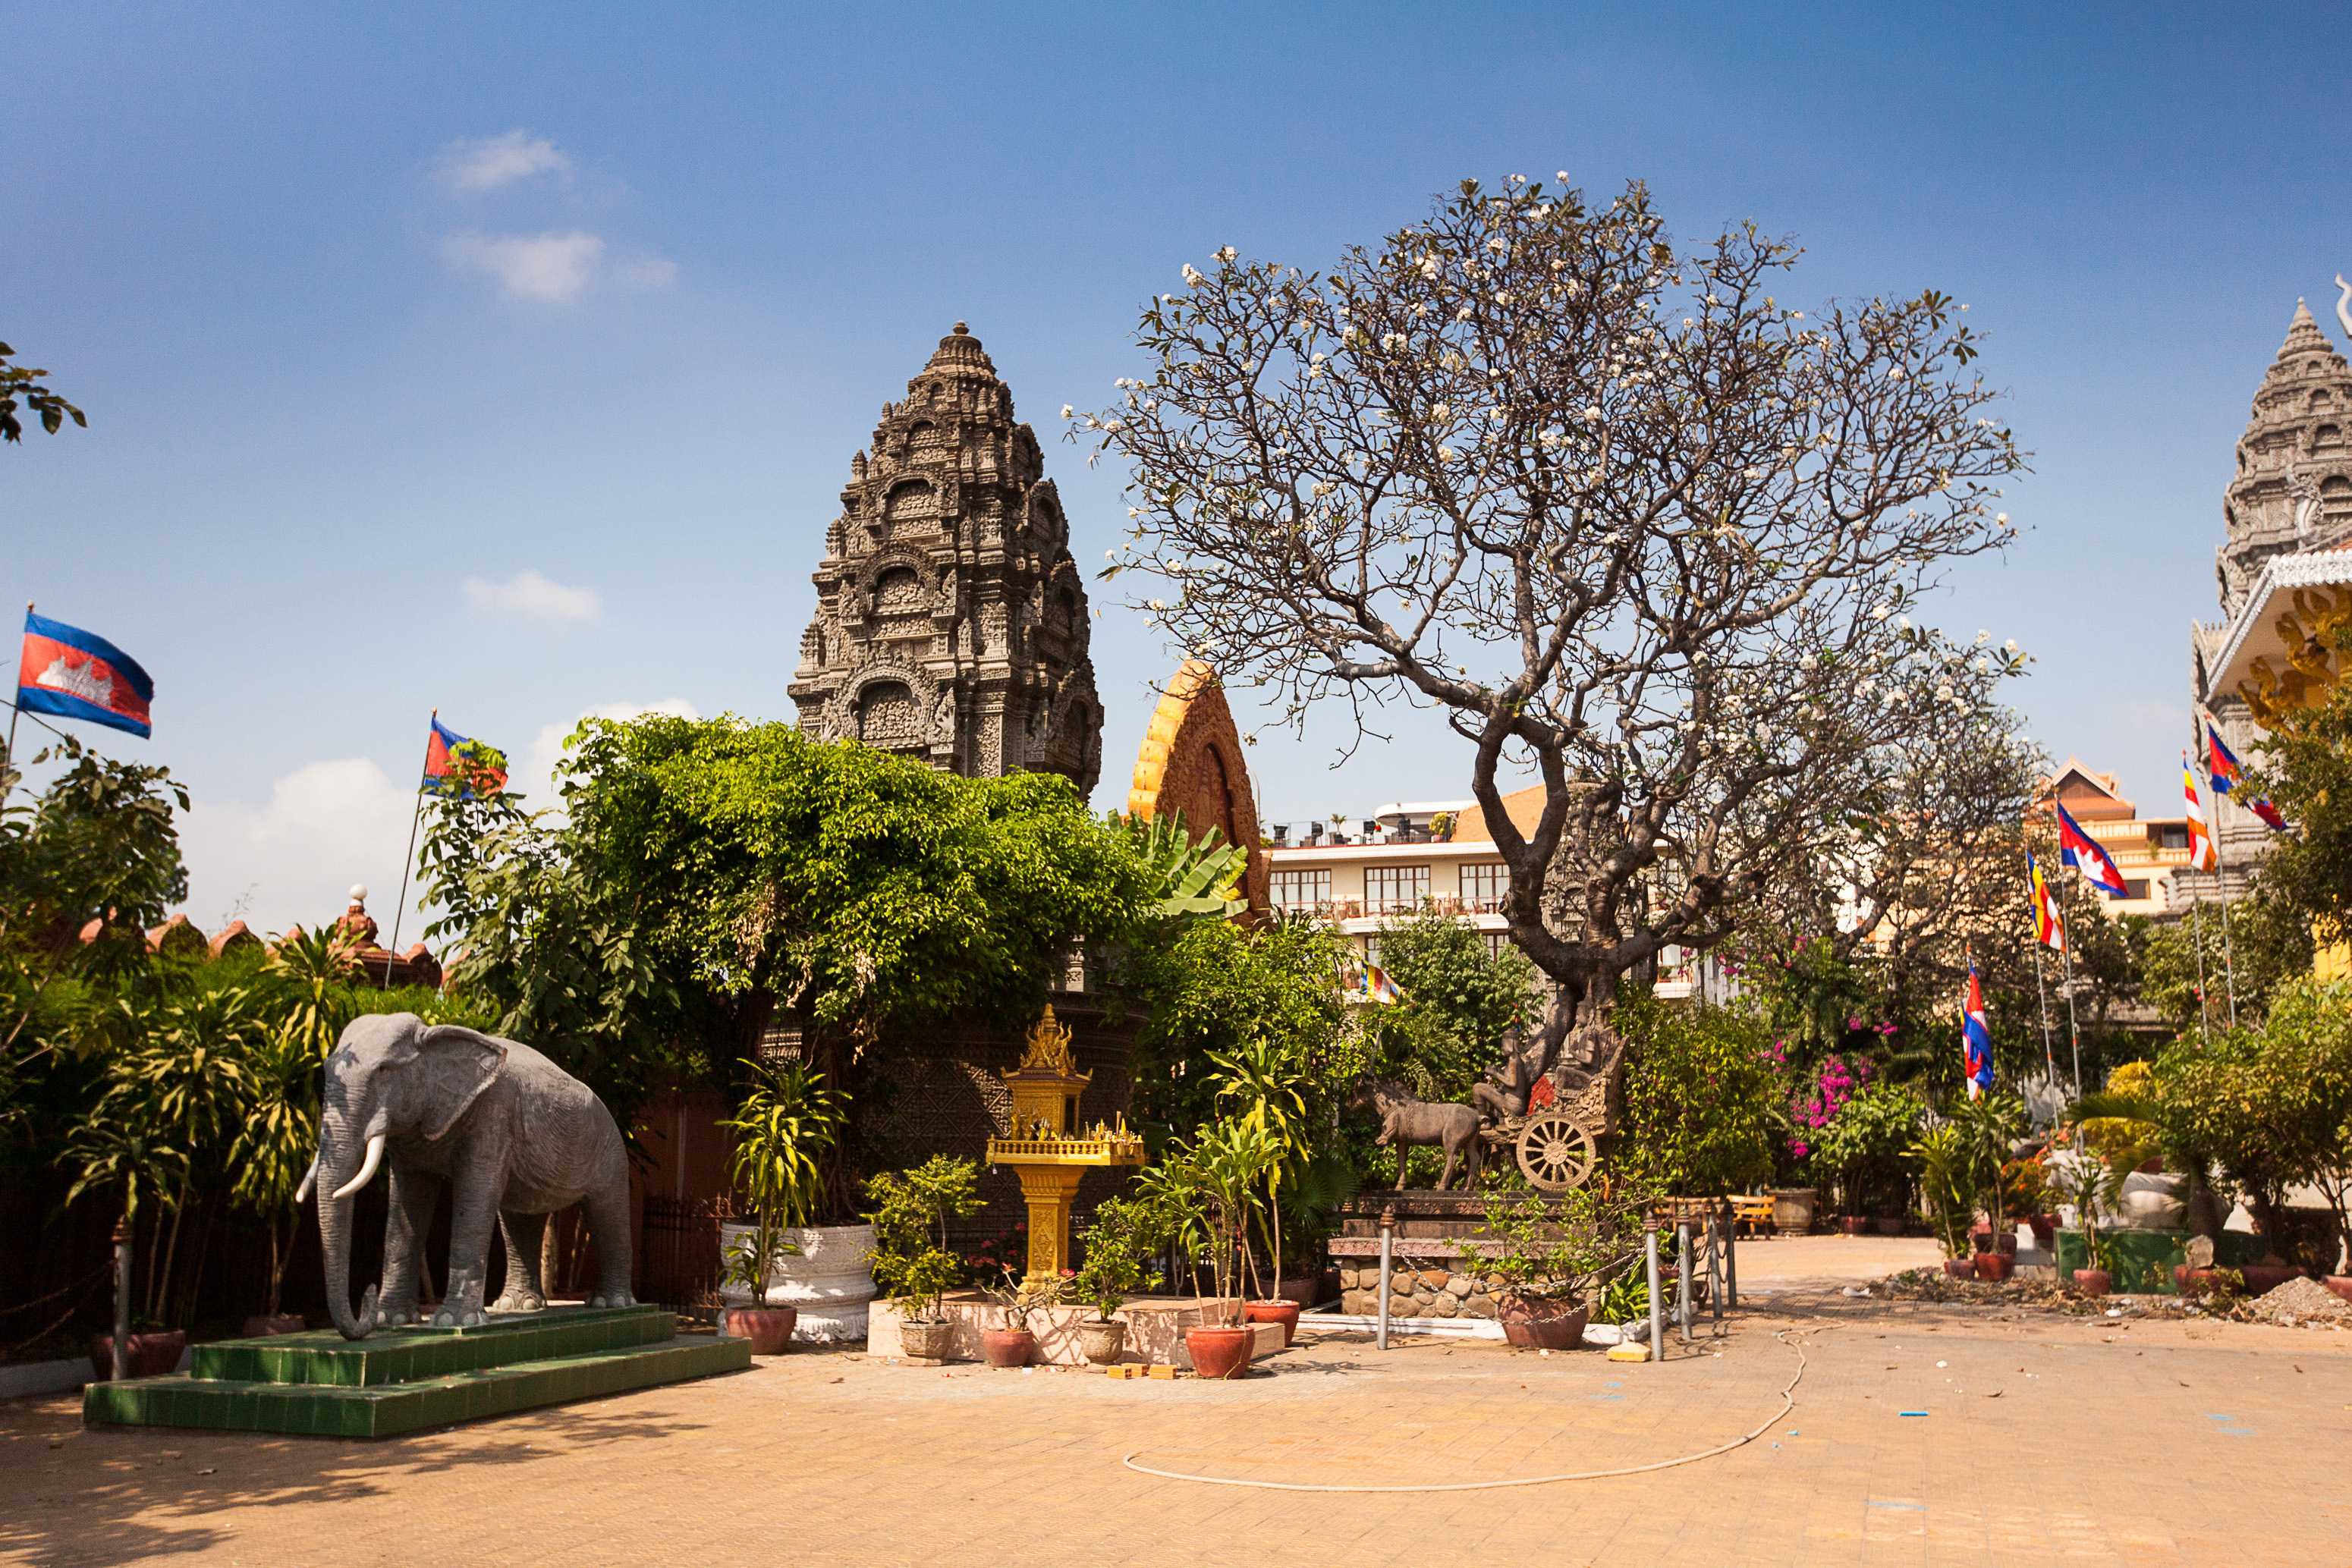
1068 411
1463 314
1191 278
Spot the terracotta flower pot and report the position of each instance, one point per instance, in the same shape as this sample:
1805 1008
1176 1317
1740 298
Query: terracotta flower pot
926 1341
770 1329
1104 1340
150 1354
2093 1281
1545 1325
1007 1348
2045 1229
1995 1265
1852 1225
284 1322
2263 1278
1221 1351
2339 1283
1891 1224
1283 1312
1960 1268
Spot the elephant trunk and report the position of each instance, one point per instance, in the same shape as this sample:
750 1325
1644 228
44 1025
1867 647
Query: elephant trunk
335 1243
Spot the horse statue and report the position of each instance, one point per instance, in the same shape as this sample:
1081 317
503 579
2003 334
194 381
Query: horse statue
1406 1121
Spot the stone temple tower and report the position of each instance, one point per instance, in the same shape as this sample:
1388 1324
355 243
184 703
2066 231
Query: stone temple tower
2292 488
952 623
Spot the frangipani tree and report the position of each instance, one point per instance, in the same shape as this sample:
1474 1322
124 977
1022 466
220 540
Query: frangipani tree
1609 504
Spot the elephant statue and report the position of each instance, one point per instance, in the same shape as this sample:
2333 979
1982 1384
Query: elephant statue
516 1136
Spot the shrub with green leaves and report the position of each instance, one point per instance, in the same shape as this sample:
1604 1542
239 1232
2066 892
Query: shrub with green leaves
1699 1100
911 1209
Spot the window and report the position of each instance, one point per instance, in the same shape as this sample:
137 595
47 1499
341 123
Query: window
1395 889
2176 838
1497 944
2136 887
1373 949
1484 885
1296 890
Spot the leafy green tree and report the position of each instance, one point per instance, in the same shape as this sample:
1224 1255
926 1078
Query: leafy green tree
2268 943
1866 1147
1699 1100
910 1215
1221 987
701 868
23 382
1458 1000
2305 766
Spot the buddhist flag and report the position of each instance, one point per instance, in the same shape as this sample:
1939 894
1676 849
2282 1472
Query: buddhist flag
2226 775
2049 926
2202 855
75 674
1976 1037
458 766
1371 984
2082 852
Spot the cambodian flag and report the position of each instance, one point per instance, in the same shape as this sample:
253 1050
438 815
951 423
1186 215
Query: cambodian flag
73 674
457 766
2225 774
2082 852
1976 1039
2049 927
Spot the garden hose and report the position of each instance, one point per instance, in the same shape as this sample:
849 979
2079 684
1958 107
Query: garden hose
1788 1403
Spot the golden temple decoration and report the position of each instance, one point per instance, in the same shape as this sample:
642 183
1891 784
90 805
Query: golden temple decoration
1049 1048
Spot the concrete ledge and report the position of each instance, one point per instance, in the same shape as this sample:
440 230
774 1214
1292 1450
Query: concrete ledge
47 1376
1443 1328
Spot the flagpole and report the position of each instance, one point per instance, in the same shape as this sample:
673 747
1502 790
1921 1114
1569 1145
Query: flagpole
2073 1028
15 713
2049 1060
414 818
2222 881
2204 1009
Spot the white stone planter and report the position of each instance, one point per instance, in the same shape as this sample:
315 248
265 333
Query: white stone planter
829 1283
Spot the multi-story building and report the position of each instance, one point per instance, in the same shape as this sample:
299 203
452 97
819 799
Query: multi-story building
1406 857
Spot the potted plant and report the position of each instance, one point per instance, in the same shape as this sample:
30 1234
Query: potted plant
786 1122
910 1257
1267 1077
1125 1233
1541 1262
1209 1188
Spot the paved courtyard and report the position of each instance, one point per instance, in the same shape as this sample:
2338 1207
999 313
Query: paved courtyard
2036 1438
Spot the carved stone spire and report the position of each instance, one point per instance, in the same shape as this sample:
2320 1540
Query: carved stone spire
952 622
2292 490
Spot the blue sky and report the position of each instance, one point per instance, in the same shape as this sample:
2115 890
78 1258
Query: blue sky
509 360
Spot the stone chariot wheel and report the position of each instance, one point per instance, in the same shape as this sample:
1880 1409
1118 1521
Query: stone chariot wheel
1555 1152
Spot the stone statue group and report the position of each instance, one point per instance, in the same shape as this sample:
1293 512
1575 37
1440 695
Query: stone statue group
1497 1109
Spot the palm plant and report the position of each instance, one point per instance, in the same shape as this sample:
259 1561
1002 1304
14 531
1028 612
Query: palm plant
1213 1186
784 1126
1268 1079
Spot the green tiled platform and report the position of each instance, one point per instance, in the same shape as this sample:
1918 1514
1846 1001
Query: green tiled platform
401 1379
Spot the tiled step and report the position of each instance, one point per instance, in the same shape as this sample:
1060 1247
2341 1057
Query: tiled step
406 1354
382 1410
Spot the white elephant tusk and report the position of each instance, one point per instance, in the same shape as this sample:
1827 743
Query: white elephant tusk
367 1169
309 1179
2344 302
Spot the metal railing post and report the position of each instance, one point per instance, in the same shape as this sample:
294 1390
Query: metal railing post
121 1297
1683 1276
1730 1257
1714 1268
1387 1256
1657 1324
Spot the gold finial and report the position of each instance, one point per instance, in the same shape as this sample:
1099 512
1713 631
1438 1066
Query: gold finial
1049 1048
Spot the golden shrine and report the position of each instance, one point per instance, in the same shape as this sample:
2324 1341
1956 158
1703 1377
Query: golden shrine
1048 1150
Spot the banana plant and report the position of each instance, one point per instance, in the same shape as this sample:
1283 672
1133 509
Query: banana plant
1195 880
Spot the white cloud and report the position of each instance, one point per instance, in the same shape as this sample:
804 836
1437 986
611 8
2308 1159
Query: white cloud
495 160
534 598
293 861
532 778
552 269
653 274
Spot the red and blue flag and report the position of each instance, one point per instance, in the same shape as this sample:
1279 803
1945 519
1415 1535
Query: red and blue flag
458 766
2082 852
1976 1037
2226 775
75 674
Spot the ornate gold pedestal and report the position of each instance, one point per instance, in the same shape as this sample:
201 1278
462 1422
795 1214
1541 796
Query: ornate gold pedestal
1048 1150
